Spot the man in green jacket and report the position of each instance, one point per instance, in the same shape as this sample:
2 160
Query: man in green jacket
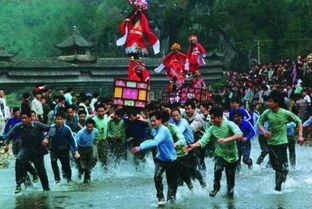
224 135
276 135
116 136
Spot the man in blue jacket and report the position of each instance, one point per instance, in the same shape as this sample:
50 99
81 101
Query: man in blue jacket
165 160
244 144
61 142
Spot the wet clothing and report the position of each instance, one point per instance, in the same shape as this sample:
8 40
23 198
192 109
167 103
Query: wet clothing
62 155
164 143
278 142
170 167
227 150
244 148
278 124
61 142
230 169
165 161
279 162
87 160
183 164
291 143
31 150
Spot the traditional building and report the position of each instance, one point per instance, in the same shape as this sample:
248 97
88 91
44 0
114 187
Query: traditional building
77 68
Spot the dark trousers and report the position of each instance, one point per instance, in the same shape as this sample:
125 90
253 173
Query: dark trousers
194 168
16 147
264 148
184 170
86 162
63 156
117 149
244 149
172 176
292 150
279 162
230 169
102 151
22 166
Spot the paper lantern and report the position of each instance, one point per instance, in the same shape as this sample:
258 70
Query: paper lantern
142 86
120 83
140 104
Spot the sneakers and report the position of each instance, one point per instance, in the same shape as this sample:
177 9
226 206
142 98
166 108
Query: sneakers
18 189
161 201
213 193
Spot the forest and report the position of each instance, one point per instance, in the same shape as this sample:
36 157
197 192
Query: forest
281 28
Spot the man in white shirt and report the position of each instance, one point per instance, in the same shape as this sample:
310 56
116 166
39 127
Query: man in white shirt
36 105
69 96
4 110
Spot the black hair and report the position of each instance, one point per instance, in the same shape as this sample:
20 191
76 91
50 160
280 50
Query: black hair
165 116
31 112
277 97
27 113
70 107
132 112
60 114
191 103
238 113
216 111
61 98
26 95
236 100
206 105
90 121
176 109
82 112
15 109
99 106
156 114
120 112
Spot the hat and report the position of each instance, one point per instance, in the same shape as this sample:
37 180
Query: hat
176 46
192 38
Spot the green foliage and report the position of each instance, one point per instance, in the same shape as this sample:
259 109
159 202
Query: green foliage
284 27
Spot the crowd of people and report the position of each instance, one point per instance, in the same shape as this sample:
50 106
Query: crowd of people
82 130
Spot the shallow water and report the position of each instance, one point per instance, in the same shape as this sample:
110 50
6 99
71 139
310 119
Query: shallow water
124 187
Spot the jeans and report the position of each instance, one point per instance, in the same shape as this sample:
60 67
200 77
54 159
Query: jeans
244 149
184 169
172 176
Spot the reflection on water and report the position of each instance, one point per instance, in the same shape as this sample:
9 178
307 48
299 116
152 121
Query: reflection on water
34 202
